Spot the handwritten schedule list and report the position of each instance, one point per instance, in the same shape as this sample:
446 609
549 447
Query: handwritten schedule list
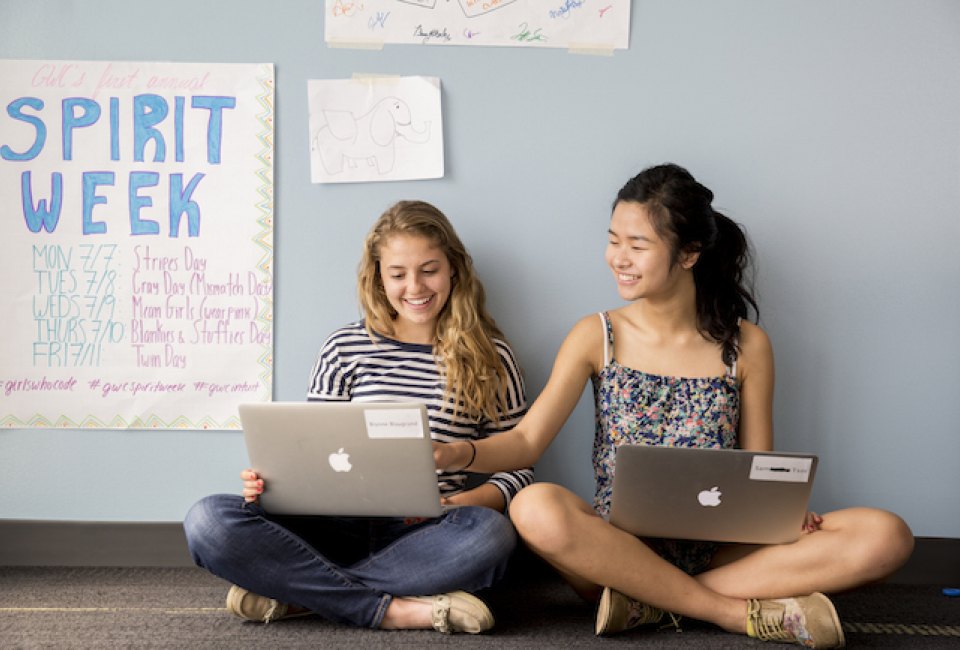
94 304
176 301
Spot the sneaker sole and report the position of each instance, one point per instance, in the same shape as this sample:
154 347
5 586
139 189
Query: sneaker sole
603 612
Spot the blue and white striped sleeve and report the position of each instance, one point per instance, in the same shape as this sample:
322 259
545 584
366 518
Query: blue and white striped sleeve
509 483
331 378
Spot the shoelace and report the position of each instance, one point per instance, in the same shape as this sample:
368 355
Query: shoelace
637 613
641 613
768 626
674 622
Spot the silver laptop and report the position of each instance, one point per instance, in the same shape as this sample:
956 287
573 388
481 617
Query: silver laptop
723 495
343 458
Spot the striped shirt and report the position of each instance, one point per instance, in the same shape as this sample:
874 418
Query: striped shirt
353 367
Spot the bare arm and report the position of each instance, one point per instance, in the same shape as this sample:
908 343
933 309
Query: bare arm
483 495
756 389
578 358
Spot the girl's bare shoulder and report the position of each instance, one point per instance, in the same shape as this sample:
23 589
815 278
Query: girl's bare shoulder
587 330
584 343
755 346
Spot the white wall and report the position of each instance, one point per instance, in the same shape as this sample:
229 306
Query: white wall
830 130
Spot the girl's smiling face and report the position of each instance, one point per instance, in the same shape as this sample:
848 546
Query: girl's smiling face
417 280
642 261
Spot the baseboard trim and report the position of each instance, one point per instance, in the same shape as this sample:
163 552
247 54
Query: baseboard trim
935 560
84 543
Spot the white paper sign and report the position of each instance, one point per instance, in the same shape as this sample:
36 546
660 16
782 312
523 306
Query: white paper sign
375 129
584 24
394 423
784 469
137 219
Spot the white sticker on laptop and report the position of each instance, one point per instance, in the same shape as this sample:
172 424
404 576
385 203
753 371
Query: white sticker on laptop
785 469
394 423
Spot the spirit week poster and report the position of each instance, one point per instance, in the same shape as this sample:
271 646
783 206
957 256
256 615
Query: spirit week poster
136 208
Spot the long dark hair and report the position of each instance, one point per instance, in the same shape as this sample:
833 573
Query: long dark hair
681 214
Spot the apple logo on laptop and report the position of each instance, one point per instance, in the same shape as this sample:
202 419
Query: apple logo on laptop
340 461
710 498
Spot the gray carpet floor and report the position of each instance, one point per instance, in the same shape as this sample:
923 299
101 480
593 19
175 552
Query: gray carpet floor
70 607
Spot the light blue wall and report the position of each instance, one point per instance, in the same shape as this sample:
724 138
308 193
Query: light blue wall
830 129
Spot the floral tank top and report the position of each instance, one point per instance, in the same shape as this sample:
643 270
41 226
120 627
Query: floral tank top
640 408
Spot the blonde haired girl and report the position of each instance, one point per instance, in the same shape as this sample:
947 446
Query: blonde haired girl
426 337
464 332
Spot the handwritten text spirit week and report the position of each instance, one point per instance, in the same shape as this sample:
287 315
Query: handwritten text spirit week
147 112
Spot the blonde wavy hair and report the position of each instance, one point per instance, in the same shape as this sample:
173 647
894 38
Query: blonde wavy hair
463 344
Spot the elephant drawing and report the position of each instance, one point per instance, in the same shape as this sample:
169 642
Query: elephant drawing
346 139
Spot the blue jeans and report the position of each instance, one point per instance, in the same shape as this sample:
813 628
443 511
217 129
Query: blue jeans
347 569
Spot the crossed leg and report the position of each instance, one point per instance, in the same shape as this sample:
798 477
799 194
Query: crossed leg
853 547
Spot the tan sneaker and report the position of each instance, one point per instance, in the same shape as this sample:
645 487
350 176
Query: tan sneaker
618 613
458 611
810 621
255 607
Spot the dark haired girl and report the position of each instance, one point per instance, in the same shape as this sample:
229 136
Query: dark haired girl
680 365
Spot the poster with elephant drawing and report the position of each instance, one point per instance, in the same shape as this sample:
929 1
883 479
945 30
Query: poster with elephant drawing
375 129
574 24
